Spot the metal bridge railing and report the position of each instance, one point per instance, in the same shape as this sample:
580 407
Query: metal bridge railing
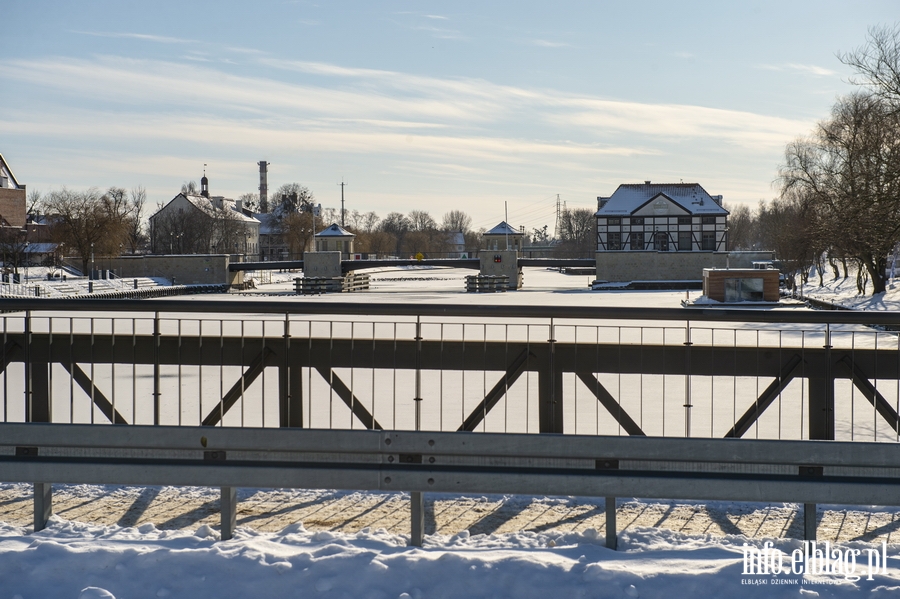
590 375
531 369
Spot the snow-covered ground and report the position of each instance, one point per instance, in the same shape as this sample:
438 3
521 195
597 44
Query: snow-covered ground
843 292
80 558
77 560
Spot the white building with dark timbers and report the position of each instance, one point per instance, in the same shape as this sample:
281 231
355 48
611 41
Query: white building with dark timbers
661 217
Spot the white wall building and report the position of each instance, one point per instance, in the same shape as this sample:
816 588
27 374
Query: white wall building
662 217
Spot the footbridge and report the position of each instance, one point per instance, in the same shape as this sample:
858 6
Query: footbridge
723 405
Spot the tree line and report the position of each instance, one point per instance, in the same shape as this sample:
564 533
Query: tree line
839 186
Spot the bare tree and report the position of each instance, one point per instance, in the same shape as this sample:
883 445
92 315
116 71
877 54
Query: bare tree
420 220
877 63
136 202
456 220
12 246
189 188
250 201
34 201
577 233
849 169
369 222
742 234
89 222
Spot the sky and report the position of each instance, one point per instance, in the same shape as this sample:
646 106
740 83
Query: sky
484 107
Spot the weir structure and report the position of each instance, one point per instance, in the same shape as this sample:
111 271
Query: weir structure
711 404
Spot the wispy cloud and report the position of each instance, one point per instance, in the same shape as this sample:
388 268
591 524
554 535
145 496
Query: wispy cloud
441 33
438 17
806 69
549 44
391 118
161 39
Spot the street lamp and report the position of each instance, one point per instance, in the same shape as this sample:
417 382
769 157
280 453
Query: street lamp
91 277
26 262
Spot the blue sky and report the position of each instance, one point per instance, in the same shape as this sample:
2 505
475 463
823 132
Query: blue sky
420 105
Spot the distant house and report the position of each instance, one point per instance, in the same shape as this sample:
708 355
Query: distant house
503 237
12 197
202 224
335 238
662 217
456 242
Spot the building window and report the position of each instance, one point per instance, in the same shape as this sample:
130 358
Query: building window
637 220
614 222
707 220
708 241
637 241
684 241
684 220
614 241
661 242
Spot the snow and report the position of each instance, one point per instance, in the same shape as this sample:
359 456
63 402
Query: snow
71 559
844 293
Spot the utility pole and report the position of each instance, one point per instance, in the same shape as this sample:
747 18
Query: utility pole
342 201
558 218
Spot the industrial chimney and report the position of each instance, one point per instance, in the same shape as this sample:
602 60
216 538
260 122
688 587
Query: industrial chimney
263 186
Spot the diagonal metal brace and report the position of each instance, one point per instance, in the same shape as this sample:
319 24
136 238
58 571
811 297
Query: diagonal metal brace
256 367
515 370
609 402
88 386
877 400
358 409
9 351
765 400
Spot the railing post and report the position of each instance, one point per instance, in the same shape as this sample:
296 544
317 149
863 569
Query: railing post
550 412
688 405
417 498
612 540
228 505
418 397
156 390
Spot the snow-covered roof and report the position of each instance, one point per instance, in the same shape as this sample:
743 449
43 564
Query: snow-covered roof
629 198
7 178
208 205
335 230
41 248
504 228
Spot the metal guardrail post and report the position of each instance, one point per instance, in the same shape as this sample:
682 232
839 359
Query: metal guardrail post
417 513
43 505
809 521
612 539
228 505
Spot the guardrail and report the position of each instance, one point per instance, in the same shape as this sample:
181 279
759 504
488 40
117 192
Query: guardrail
420 462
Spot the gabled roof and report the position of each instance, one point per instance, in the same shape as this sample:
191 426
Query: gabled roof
335 230
209 208
629 198
6 171
503 228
